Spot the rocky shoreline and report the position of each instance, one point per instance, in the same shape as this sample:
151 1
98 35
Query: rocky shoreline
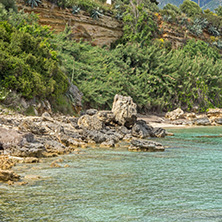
179 118
26 139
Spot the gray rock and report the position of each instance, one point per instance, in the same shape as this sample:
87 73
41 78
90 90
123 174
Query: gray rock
91 112
218 121
43 106
109 143
76 97
175 114
90 122
202 122
47 117
53 146
145 145
158 132
141 129
123 130
27 150
124 110
12 138
106 117
28 125
97 136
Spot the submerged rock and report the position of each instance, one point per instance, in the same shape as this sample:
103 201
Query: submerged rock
8 175
158 132
145 145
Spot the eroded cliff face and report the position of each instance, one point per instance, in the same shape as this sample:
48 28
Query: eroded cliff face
103 31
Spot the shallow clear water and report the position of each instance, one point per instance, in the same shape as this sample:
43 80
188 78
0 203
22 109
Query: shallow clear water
184 183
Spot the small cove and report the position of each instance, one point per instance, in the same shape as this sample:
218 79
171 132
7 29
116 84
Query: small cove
181 184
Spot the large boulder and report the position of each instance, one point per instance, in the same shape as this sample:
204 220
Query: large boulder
90 122
141 129
158 132
6 175
124 110
11 138
27 150
175 114
202 121
106 116
145 145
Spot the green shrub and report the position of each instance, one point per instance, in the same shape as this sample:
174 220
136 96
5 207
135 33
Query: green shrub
190 8
172 8
27 64
9 4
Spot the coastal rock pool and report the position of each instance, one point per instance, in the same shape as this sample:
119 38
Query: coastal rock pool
184 183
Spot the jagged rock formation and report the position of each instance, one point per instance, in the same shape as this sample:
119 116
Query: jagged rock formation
100 32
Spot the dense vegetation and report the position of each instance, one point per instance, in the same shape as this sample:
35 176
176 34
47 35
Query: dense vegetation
28 62
36 63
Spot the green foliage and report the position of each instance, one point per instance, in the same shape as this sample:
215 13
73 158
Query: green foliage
156 78
172 8
33 3
3 13
190 8
9 4
75 9
195 48
86 5
96 13
28 64
139 25
198 26
219 10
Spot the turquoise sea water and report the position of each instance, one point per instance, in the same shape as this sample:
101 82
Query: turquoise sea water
184 183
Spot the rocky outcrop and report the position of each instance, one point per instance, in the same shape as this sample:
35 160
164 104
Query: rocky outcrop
48 135
212 117
11 138
99 32
141 129
175 114
202 121
146 145
124 110
215 116
8 175
90 122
